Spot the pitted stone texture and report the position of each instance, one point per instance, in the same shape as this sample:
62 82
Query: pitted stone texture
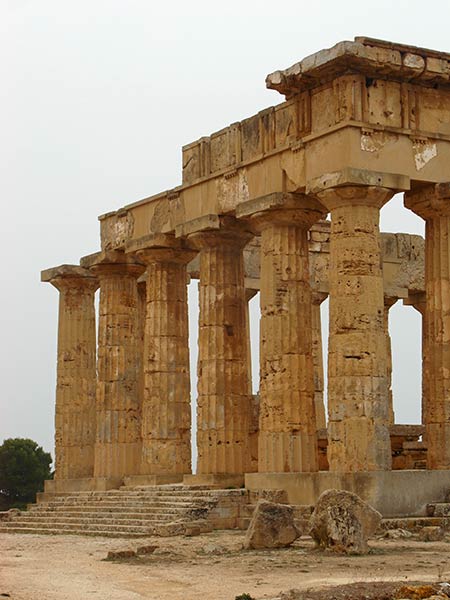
317 354
358 401
433 204
342 522
75 414
166 413
118 443
287 432
224 403
272 526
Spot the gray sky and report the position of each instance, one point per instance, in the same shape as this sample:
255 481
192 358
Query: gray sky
97 97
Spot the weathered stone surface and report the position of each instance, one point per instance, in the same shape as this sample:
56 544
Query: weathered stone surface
224 403
118 405
75 412
8 515
431 534
358 399
342 522
432 203
272 526
166 413
117 554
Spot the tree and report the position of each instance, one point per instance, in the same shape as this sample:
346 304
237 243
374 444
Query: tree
24 466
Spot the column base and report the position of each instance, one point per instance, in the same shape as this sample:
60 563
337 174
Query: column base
393 493
160 479
222 480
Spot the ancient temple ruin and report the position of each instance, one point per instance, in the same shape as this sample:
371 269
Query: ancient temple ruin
361 122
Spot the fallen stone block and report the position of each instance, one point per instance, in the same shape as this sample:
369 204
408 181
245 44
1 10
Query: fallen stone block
115 554
272 526
146 549
342 522
431 534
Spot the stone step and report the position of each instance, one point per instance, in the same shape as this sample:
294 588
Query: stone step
414 524
110 502
63 526
438 509
114 511
107 498
100 520
39 531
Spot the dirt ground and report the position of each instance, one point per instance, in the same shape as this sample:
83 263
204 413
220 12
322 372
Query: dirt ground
207 567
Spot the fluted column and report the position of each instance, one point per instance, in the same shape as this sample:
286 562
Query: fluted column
317 354
166 411
224 400
76 373
118 440
433 204
388 304
358 402
419 303
287 432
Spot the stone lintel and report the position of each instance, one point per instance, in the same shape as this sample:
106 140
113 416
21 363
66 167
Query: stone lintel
209 222
107 257
371 57
358 177
65 271
273 201
415 300
153 241
429 201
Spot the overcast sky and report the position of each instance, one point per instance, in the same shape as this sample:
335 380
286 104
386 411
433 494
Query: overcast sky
97 98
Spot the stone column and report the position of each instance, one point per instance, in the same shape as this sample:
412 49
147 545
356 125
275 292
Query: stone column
224 401
358 404
316 328
118 443
418 301
166 410
287 432
433 204
254 413
388 304
76 373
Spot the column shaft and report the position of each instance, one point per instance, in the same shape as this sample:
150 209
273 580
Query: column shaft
118 446
76 378
358 407
224 399
287 436
388 303
317 354
437 282
166 413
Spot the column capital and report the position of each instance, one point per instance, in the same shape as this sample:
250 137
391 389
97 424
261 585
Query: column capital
161 247
430 201
66 276
114 262
417 301
318 297
215 230
389 301
281 208
355 195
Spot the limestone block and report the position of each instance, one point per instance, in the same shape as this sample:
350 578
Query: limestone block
358 399
431 534
342 522
272 526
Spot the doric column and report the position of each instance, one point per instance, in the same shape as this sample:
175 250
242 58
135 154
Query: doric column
166 410
358 406
388 304
287 432
418 301
316 328
433 204
118 443
224 394
254 413
76 373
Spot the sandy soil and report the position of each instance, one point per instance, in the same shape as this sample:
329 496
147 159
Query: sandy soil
207 567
